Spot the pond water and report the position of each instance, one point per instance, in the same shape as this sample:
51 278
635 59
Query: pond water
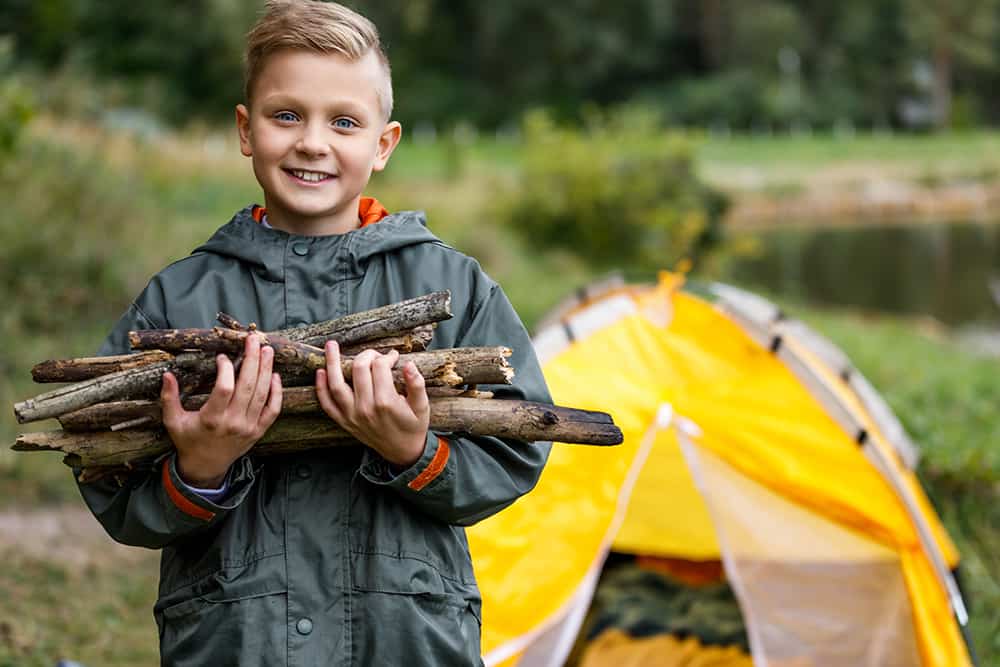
941 270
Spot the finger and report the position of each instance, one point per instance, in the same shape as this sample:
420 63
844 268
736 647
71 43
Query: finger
262 388
170 402
324 396
340 391
246 383
361 380
383 386
272 408
222 392
416 391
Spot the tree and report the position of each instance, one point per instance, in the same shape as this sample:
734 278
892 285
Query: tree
957 33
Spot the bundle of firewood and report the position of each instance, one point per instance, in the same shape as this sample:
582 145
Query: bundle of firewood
111 419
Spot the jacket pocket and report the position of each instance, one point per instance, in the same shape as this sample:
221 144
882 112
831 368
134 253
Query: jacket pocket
429 617
236 616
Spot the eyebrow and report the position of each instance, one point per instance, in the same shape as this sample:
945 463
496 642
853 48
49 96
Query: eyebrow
339 106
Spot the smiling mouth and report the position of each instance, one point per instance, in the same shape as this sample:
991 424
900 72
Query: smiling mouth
309 176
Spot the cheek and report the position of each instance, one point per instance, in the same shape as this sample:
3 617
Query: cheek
361 155
270 145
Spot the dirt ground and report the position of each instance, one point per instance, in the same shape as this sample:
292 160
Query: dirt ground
68 535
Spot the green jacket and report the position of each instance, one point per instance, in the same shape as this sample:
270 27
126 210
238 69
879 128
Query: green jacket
323 558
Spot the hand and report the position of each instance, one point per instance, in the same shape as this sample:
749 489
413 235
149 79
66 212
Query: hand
236 415
373 411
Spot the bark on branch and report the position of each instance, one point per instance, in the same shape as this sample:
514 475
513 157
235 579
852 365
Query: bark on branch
86 368
376 323
139 382
298 363
521 420
295 401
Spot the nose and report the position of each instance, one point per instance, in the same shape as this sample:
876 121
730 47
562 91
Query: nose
313 140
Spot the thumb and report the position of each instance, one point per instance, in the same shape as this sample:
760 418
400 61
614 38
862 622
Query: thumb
170 401
416 394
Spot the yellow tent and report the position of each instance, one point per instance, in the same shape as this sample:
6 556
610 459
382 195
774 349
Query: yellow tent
748 439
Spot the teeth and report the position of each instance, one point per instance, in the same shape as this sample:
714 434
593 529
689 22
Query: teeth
311 176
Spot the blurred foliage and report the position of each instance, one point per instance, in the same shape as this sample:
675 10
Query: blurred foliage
59 239
62 278
621 193
16 104
769 63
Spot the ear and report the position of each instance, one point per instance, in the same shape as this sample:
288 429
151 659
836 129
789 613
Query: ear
243 127
387 143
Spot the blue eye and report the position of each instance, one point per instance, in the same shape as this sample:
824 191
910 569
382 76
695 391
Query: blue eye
286 116
344 124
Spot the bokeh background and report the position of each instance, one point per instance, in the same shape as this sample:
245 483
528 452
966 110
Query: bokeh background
841 158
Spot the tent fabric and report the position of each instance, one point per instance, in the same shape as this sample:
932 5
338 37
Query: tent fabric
799 575
659 356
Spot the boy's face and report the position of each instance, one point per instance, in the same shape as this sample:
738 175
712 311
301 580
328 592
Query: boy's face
315 131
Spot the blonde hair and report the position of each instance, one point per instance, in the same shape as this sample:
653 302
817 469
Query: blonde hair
320 27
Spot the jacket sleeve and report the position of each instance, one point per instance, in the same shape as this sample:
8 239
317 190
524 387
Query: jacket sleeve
152 507
461 479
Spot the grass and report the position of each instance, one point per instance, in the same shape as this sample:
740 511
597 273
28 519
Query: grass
823 149
109 210
96 614
946 397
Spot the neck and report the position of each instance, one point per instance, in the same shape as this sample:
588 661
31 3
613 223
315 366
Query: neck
339 222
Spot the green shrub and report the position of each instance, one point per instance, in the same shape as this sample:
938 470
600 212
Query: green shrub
64 279
16 107
62 260
620 194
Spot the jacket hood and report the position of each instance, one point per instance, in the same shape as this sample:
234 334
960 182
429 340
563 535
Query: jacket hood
265 248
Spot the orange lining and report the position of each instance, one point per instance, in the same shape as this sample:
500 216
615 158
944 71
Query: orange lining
433 468
182 503
370 211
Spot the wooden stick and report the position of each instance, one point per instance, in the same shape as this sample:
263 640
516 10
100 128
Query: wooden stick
295 401
414 340
128 383
396 319
370 325
230 322
522 420
478 365
218 339
85 368
377 322
450 367
453 392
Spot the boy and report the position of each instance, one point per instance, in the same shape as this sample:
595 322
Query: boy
345 555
